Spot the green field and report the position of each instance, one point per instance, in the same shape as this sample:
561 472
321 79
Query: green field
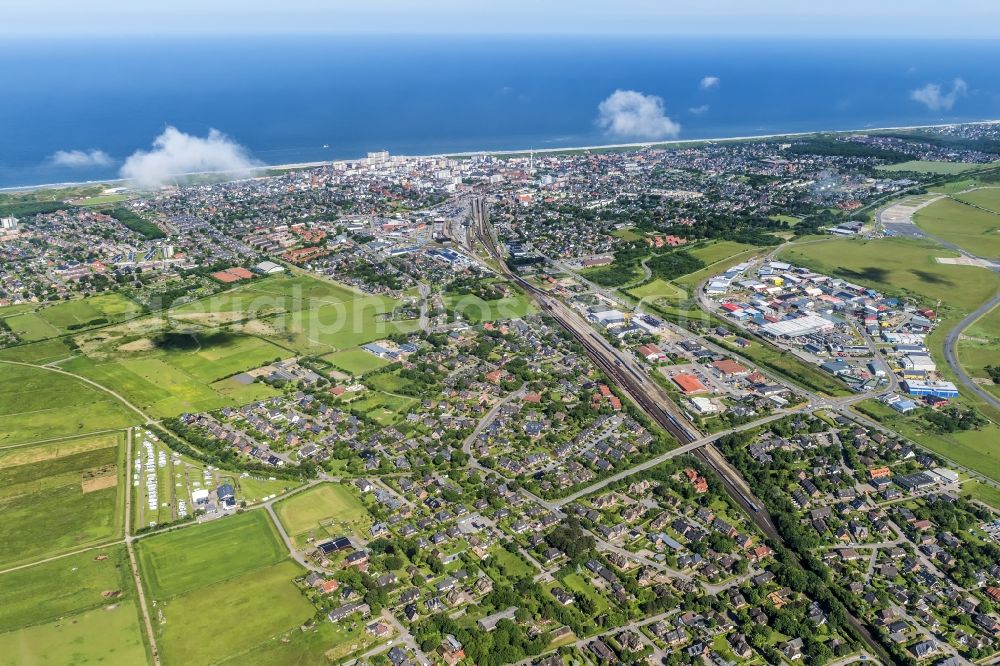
220 588
64 317
986 197
300 312
321 645
576 584
475 310
925 166
356 361
691 280
169 381
61 587
38 352
982 492
232 617
183 560
513 566
40 404
60 496
657 289
383 408
717 251
972 229
325 510
110 635
979 346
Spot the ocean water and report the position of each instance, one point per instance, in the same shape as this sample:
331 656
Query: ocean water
285 99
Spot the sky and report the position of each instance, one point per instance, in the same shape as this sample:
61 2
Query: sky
832 18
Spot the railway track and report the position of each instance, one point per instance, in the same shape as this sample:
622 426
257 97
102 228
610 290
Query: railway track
640 390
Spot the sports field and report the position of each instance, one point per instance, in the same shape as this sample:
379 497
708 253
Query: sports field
187 559
972 229
60 496
356 361
40 404
325 510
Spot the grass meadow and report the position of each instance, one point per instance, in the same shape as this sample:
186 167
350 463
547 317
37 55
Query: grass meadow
38 404
186 559
324 510
972 229
221 589
60 496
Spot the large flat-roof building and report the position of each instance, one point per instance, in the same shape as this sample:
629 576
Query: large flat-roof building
809 324
937 389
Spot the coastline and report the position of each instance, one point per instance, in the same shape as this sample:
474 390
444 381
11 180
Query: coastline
254 173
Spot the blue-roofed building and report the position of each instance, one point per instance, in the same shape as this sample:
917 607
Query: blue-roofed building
225 493
937 389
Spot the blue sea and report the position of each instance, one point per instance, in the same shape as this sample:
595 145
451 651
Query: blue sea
284 99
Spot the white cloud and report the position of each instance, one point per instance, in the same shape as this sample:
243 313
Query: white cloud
176 153
629 113
76 159
932 97
698 110
709 82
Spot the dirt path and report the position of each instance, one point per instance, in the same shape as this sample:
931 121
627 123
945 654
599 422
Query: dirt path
133 564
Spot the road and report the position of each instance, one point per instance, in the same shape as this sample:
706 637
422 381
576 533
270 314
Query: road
487 419
649 396
908 228
133 564
951 351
